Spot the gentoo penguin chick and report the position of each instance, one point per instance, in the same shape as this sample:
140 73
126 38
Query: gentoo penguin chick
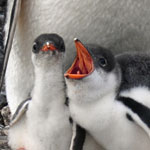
47 117
93 82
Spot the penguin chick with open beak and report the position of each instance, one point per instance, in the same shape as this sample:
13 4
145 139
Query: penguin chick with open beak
47 117
93 83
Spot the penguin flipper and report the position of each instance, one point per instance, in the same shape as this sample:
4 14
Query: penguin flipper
10 27
139 113
20 111
78 137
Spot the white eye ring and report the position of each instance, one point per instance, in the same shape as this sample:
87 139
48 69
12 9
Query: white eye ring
47 43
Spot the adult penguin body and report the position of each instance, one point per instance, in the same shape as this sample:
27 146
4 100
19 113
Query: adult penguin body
100 21
103 21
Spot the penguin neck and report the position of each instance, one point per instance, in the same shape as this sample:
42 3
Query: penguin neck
49 85
89 90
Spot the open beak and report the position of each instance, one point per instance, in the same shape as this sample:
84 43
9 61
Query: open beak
83 64
48 47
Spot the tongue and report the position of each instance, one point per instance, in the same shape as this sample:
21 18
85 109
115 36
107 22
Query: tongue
84 59
82 65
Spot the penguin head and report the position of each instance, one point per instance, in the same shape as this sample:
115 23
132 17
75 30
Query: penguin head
95 68
48 42
48 47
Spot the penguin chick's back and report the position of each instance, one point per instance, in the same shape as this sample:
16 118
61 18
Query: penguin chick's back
135 68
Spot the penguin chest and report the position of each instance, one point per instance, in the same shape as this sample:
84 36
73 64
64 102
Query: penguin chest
106 121
17 131
49 126
93 116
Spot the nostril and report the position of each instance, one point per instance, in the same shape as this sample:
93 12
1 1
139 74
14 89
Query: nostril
48 47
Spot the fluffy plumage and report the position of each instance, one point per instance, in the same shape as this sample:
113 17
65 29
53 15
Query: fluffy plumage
99 112
46 123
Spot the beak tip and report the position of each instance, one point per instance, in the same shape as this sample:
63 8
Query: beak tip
76 39
65 75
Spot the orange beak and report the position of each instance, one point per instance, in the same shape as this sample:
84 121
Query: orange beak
83 64
48 47
21 148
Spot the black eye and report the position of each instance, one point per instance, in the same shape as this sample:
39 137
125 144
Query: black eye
34 48
102 62
62 46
